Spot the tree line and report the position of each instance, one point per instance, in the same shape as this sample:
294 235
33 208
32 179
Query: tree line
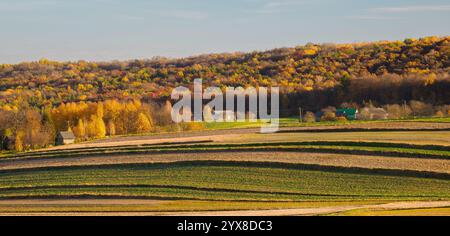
28 127
97 99
299 70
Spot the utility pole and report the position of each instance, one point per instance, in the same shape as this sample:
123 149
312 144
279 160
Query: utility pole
301 114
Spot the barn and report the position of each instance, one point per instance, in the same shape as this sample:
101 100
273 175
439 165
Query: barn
65 137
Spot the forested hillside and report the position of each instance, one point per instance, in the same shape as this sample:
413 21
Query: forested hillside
410 69
95 99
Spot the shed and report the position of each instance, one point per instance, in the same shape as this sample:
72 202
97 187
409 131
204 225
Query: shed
65 137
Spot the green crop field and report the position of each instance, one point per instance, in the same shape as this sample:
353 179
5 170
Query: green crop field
223 181
295 122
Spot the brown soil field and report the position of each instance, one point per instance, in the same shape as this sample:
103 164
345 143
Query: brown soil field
433 137
396 126
372 162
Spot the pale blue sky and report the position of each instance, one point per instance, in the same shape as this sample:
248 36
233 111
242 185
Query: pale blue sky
100 30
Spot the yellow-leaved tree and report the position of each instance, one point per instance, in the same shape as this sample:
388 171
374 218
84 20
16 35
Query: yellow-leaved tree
18 142
144 124
79 130
96 127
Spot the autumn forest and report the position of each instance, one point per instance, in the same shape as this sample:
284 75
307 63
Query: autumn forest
98 99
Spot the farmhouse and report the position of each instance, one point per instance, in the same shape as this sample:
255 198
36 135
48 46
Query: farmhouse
374 113
349 113
65 137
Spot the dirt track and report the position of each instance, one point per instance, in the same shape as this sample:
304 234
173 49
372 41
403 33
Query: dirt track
320 210
276 212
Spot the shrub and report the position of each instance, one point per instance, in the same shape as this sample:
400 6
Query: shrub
193 126
439 114
341 119
397 111
421 109
309 117
328 116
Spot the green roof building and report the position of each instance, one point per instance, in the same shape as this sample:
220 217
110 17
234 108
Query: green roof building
349 113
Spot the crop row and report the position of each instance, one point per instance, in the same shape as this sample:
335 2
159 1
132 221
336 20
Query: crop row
222 181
